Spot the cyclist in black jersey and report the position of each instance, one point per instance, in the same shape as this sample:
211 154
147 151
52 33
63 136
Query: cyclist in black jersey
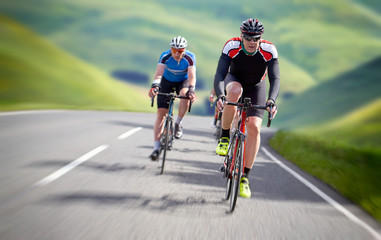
241 71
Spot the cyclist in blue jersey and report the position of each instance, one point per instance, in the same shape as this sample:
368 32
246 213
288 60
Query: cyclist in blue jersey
176 71
242 67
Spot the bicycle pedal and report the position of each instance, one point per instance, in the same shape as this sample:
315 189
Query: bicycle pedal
222 168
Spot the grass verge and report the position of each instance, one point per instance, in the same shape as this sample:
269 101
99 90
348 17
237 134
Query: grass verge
354 172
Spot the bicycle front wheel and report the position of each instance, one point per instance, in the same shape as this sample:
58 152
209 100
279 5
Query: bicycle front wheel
165 142
228 186
236 174
228 164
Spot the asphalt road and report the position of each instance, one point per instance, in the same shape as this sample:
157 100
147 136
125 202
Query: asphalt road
86 175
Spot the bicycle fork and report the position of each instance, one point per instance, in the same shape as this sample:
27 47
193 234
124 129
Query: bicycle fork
232 153
170 125
240 139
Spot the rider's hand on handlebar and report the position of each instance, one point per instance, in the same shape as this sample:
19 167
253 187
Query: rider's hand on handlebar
272 108
220 103
153 91
190 93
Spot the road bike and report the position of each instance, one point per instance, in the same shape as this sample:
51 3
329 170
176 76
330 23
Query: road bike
167 135
217 124
216 121
234 160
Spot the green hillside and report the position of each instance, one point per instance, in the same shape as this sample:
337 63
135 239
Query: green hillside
36 74
316 35
333 99
360 128
315 39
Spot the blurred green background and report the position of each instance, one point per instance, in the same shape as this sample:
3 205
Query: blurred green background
102 55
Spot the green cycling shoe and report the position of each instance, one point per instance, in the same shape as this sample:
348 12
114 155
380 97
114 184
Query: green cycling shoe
244 189
222 147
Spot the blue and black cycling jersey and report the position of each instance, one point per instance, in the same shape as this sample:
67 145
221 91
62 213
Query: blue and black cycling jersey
177 71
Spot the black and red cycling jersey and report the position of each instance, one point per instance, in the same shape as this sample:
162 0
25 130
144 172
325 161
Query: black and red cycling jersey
250 69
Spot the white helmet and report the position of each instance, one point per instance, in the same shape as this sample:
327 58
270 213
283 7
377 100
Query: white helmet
179 42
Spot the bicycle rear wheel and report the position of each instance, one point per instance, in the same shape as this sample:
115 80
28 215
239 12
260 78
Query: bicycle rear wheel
218 131
165 142
236 174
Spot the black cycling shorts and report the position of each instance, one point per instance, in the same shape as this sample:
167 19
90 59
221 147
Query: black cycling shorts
256 92
168 87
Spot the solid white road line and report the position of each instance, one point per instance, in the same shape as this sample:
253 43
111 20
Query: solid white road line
129 133
57 174
335 204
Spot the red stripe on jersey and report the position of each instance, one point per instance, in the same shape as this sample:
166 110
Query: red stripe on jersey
264 75
234 52
232 47
267 55
268 50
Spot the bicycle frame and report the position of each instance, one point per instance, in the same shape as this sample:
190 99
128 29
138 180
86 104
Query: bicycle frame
239 135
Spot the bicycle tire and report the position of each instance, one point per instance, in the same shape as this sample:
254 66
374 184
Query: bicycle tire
228 162
236 174
217 133
162 139
170 135
228 185
165 142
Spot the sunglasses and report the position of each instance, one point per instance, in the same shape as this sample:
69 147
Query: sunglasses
181 50
247 38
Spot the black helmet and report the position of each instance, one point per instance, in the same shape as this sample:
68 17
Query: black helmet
252 26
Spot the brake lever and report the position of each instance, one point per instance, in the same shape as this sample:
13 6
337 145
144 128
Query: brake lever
269 119
270 116
153 98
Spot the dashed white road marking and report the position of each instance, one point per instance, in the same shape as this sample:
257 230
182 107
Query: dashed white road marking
335 204
129 133
60 172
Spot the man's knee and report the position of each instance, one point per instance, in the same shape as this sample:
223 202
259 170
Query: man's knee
161 113
234 91
253 125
